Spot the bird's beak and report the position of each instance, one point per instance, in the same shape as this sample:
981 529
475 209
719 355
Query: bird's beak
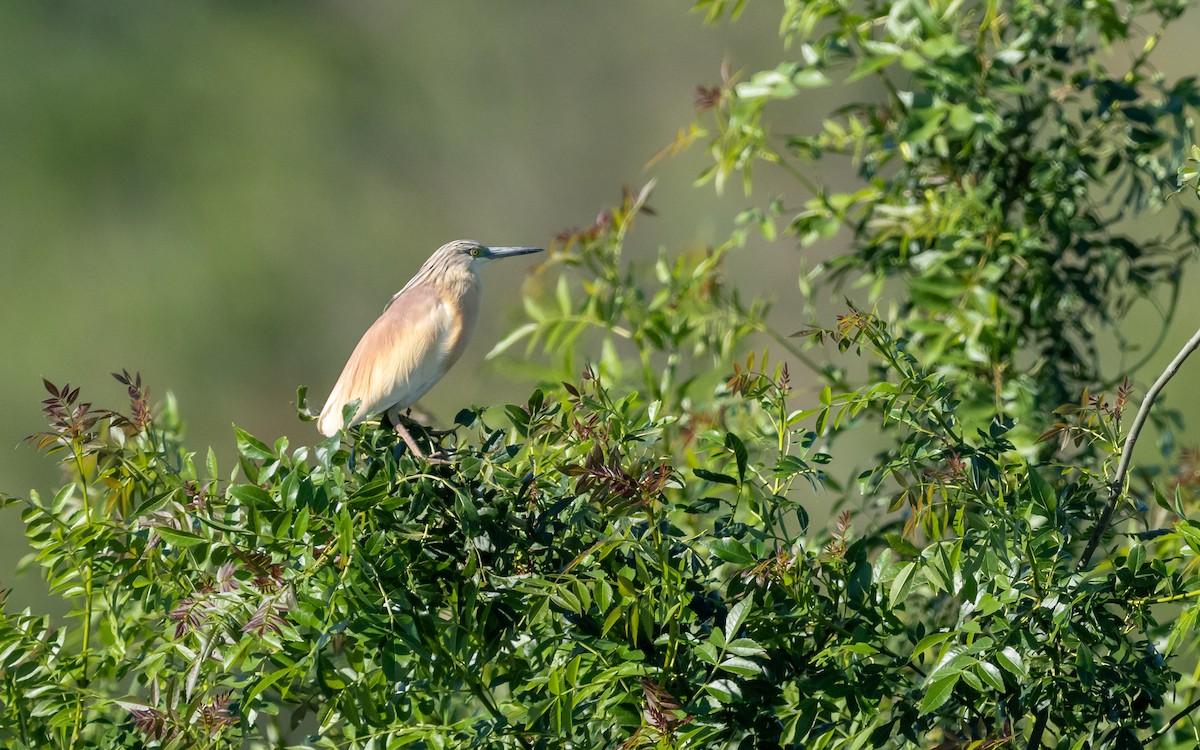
506 252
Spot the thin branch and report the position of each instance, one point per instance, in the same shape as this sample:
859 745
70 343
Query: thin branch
1116 488
1158 733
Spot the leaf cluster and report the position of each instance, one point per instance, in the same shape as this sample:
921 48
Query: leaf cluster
1002 152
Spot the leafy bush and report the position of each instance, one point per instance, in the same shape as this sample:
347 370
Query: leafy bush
627 559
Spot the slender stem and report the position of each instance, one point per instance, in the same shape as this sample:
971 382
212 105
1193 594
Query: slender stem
791 348
817 193
1161 731
77 727
18 702
1165 599
83 482
1116 488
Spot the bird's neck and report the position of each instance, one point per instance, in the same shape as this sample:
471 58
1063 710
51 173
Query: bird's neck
450 280
457 283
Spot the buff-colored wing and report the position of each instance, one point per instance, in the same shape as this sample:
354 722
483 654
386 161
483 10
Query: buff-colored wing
399 358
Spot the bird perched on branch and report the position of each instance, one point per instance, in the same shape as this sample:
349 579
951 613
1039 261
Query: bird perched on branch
420 334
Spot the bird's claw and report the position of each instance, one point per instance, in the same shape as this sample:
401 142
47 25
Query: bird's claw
437 457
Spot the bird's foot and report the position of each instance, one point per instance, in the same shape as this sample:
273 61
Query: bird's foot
437 457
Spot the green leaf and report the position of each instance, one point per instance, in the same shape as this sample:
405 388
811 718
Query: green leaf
177 537
953 660
1011 662
961 118
990 674
737 615
1043 494
566 599
1139 115
902 584
707 653
210 463
505 343
735 444
937 693
611 619
726 691
300 526
741 666
250 495
345 533
810 78
744 647
902 545
713 476
731 550
264 683
251 447
1190 531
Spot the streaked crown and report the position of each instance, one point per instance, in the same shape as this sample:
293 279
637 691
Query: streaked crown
460 259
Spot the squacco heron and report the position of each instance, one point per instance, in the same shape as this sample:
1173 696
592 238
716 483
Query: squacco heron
420 334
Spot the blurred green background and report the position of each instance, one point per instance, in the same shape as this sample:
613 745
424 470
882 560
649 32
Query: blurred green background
223 195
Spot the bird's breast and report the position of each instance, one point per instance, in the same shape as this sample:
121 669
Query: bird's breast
461 316
455 317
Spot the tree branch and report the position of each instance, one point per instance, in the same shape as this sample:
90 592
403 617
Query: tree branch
1161 731
1116 488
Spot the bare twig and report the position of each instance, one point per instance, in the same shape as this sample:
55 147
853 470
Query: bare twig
1116 488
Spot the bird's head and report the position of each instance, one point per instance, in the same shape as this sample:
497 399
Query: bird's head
471 254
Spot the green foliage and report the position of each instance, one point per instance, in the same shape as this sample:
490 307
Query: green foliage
628 558
542 579
997 173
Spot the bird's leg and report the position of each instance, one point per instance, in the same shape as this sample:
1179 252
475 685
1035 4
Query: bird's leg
398 425
422 418
407 437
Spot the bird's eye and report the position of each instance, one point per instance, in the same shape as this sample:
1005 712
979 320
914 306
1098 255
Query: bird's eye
474 252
